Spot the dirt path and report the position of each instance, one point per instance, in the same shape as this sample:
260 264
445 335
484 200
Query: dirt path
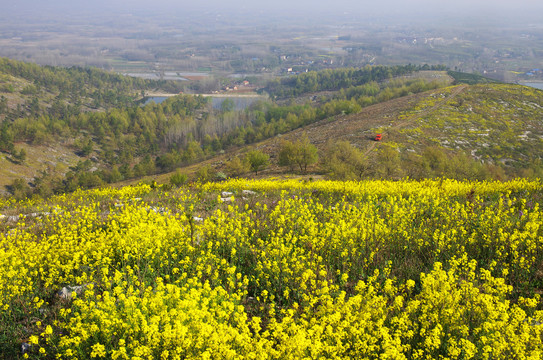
417 116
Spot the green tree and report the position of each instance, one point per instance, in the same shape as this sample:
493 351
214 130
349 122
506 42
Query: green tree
287 154
84 146
306 153
257 160
301 153
167 162
343 161
237 166
3 104
435 161
20 157
388 163
228 105
20 189
6 139
192 152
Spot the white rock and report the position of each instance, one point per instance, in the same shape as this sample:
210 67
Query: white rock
67 291
226 194
248 192
158 210
25 347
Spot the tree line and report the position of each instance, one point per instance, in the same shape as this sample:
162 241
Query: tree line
336 79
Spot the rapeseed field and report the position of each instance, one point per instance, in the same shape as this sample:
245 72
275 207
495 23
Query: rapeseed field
263 269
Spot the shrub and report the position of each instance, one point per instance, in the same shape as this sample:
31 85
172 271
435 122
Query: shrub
237 166
178 179
257 160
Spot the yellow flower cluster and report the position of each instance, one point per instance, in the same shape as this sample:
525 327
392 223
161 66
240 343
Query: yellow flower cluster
281 270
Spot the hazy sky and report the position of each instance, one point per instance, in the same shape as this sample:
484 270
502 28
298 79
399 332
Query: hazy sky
279 5
529 8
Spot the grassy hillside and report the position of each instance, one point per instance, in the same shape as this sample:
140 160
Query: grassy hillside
38 106
463 131
275 270
31 90
130 141
495 124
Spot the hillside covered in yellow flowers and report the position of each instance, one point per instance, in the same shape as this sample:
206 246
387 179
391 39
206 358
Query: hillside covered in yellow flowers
263 269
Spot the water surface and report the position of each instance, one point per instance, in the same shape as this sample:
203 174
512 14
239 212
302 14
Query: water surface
537 85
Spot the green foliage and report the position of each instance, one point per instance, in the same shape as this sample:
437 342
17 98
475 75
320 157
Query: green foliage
182 130
388 164
287 154
178 179
470 79
220 176
111 176
168 162
106 89
301 153
138 140
84 146
145 167
344 161
30 90
205 173
7 88
237 166
6 138
257 160
228 105
19 189
46 184
20 156
193 152
326 80
3 104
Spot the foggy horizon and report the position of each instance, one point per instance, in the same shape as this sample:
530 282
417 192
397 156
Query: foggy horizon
489 37
417 9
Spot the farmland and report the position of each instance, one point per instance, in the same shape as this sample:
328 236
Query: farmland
275 269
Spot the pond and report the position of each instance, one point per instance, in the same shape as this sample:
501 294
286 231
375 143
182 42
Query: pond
537 85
